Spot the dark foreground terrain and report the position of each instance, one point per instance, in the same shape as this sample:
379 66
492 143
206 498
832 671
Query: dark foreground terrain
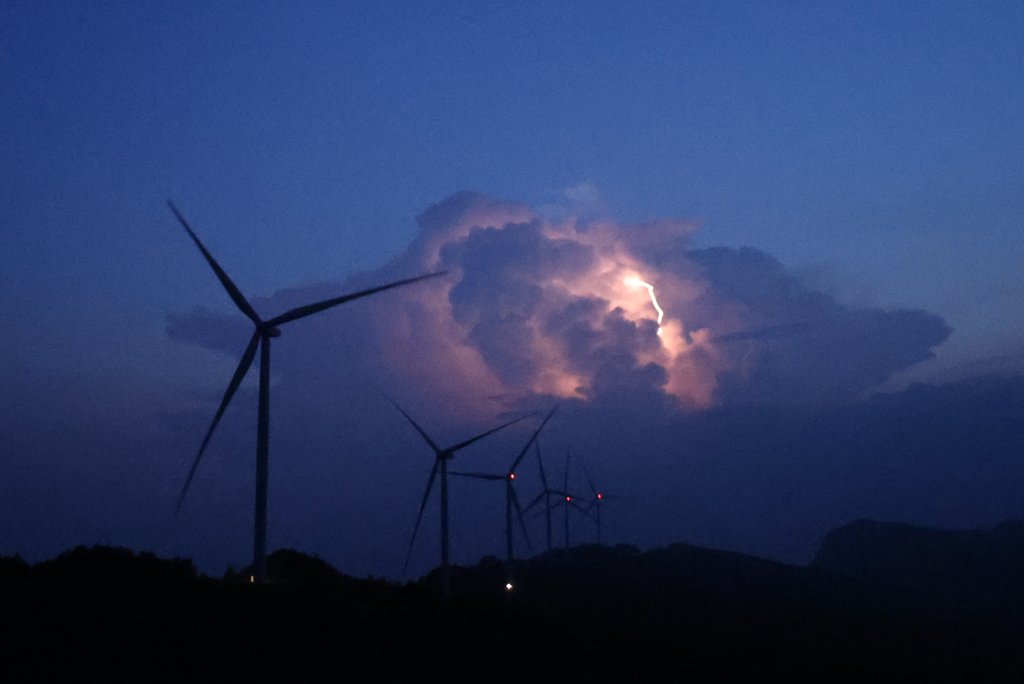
592 613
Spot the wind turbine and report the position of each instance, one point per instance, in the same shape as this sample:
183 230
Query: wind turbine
441 458
511 499
265 330
565 499
545 494
595 503
568 496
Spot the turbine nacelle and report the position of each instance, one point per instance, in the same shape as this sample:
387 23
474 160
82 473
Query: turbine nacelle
272 331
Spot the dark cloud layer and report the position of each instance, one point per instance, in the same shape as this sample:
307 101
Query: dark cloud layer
807 346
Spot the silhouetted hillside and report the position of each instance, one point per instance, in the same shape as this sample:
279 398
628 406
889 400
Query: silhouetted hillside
965 575
592 613
113 615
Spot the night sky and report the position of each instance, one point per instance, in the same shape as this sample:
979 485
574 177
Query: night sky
828 200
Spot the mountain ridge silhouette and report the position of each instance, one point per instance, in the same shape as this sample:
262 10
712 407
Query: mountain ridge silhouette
589 613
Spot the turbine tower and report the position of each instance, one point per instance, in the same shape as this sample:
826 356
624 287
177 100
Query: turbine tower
511 499
265 330
441 458
568 497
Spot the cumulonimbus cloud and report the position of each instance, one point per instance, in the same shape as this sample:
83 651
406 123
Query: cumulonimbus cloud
563 308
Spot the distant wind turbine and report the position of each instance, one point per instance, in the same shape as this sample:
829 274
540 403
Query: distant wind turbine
260 338
545 494
441 458
595 503
511 499
568 497
565 498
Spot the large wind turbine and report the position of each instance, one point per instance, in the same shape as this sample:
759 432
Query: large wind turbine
511 499
260 338
441 458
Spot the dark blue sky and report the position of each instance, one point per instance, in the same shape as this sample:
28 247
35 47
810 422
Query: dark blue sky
873 150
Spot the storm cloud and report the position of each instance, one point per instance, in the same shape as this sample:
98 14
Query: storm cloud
533 308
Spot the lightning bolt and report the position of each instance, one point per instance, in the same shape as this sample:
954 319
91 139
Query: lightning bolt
636 282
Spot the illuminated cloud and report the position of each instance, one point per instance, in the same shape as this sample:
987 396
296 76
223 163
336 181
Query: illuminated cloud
564 308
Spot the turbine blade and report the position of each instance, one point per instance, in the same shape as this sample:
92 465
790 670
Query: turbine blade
419 516
519 514
543 477
452 450
236 380
539 512
577 507
479 476
236 294
310 309
437 449
533 438
568 453
586 515
535 501
589 483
